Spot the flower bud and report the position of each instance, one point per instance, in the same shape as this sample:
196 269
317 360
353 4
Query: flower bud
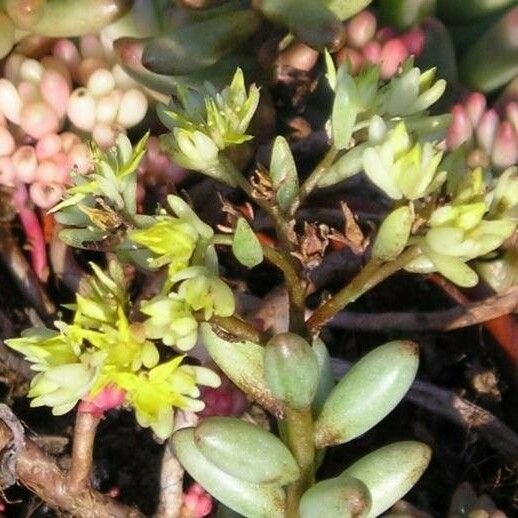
10 101
460 130
505 147
29 92
372 52
66 51
31 70
81 109
25 163
291 370
79 158
68 139
133 108
486 130
360 29
7 171
55 90
12 67
392 55
45 195
38 119
7 143
108 107
48 146
351 57
475 106
91 47
100 82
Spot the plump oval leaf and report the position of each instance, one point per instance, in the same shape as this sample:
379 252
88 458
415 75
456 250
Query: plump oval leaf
243 362
246 246
346 8
250 500
326 378
393 234
246 451
283 172
390 472
291 370
345 109
367 393
341 497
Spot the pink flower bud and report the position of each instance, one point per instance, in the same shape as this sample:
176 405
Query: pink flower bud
81 109
87 67
360 29
133 108
47 172
393 53
38 119
91 47
54 63
68 139
28 92
45 195
79 158
511 113
108 107
100 82
25 163
486 130
63 169
31 70
66 51
475 105
49 145
7 171
7 143
10 101
197 503
460 130
352 57
372 52
12 67
505 146
414 40
385 34
105 134
55 90
109 397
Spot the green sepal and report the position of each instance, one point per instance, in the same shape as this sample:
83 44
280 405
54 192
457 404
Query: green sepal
367 393
283 172
243 362
393 234
340 497
246 451
390 472
250 500
291 370
245 245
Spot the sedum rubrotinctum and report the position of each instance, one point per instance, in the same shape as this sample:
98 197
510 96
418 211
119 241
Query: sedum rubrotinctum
441 217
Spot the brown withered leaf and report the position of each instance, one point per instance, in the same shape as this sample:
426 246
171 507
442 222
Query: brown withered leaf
312 245
352 236
233 213
262 184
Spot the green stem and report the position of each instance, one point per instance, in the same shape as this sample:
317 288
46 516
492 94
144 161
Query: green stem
372 274
313 179
299 437
295 285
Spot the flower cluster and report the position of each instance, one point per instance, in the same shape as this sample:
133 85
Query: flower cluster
367 44
192 286
105 361
204 123
489 140
474 223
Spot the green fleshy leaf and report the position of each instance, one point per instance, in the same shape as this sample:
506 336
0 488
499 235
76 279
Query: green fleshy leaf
393 234
367 393
326 379
246 451
340 497
243 363
345 109
81 237
346 8
390 472
246 246
283 172
291 370
250 500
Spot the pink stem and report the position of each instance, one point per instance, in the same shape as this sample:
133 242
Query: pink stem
34 233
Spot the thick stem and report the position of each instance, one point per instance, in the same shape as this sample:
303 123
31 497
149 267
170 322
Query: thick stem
313 179
372 274
82 452
299 431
